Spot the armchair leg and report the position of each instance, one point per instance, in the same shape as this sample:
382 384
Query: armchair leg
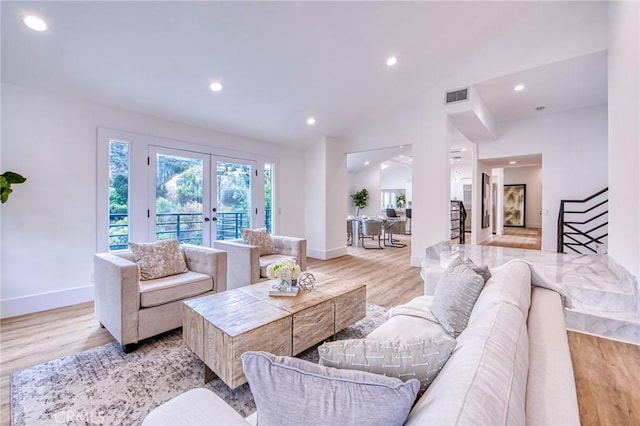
128 348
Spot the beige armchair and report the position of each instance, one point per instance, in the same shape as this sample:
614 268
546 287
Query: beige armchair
133 310
246 266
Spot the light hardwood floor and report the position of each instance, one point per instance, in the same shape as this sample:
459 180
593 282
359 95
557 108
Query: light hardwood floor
527 238
607 372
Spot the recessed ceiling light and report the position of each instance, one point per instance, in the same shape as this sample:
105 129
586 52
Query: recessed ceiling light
311 121
383 166
215 86
391 61
34 22
512 162
518 87
401 156
366 163
463 149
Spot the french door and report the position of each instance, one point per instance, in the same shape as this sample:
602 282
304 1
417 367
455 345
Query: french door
199 198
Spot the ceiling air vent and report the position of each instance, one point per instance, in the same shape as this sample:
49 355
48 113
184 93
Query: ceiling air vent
457 95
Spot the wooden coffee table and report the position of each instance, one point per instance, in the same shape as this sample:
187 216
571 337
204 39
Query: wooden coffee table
219 328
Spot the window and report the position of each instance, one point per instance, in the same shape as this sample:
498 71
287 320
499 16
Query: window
150 188
268 196
118 195
389 197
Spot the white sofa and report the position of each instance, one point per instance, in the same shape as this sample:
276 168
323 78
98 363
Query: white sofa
511 364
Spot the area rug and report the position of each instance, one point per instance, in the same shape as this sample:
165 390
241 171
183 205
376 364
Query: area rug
104 386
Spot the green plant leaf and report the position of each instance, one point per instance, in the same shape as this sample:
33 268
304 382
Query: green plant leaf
4 194
6 180
13 177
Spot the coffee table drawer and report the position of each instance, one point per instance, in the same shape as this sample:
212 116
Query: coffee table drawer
313 325
222 353
350 307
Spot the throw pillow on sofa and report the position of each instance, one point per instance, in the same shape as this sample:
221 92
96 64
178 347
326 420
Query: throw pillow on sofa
482 270
291 391
414 358
259 237
159 259
455 296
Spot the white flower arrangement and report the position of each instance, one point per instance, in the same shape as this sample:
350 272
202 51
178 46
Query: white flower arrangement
285 270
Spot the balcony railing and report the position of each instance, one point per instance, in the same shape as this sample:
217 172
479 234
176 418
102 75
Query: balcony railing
187 227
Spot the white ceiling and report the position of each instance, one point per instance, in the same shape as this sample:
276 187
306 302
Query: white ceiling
400 155
280 62
575 83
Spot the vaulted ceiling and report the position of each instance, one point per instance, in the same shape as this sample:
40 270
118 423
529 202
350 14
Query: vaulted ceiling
279 62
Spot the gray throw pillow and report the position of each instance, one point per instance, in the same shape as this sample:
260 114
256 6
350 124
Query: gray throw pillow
414 358
291 391
159 259
455 296
482 270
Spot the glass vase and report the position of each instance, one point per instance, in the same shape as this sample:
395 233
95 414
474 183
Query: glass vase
285 284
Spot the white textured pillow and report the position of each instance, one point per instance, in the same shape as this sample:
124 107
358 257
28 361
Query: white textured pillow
414 358
291 391
159 259
455 296
259 237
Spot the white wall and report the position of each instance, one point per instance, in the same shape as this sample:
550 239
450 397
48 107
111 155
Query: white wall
315 194
479 234
369 179
465 171
532 177
624 134
326 168
351 189
395 177
49 225
573 145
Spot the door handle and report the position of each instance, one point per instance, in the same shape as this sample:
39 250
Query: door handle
206 219
215 219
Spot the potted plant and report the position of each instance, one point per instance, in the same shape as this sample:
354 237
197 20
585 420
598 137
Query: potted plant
360 200
401 201
6 180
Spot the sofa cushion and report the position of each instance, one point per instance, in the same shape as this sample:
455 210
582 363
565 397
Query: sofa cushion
510 283
259 237
265 261
412 358
291 391
159 259
551 386
485 379
175 287
195 407
455 296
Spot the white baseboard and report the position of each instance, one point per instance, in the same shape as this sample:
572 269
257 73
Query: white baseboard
416 261
45 301
326 254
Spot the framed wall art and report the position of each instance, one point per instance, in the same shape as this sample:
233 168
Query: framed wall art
486 191
514 205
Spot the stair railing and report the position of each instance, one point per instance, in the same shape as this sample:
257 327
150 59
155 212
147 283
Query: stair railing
583 224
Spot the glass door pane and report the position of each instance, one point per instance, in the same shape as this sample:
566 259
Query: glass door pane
118 195
181 198
268 196
233 197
